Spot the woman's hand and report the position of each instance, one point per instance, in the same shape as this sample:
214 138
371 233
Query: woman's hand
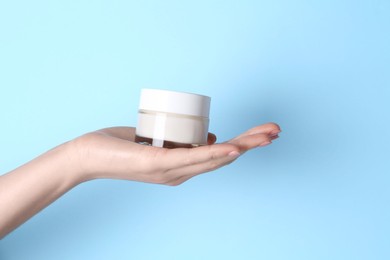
112 153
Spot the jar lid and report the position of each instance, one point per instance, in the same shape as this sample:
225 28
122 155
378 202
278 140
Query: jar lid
175 102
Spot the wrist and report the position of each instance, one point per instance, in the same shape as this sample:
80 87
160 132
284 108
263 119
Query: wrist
80 154
73 167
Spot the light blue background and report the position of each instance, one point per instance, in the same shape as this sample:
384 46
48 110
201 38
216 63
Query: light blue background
321 69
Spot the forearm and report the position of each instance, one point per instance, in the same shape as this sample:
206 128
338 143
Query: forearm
31 187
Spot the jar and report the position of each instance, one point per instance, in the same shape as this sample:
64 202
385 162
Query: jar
172 119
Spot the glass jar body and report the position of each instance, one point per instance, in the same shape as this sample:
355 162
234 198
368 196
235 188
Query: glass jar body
171 130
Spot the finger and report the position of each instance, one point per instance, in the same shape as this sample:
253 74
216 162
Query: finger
269 128
185 173
248 142
211 138
122 132
181 157
244 144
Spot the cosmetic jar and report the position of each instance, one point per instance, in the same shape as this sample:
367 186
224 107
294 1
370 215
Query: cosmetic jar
172 119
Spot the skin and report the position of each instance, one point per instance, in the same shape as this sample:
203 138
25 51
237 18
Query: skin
112 153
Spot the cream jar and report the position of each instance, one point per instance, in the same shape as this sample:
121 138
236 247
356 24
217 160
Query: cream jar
172 119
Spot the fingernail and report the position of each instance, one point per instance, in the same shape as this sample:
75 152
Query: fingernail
234 154
275 133
265 143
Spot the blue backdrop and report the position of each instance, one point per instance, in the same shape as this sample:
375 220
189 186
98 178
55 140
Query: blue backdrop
321 69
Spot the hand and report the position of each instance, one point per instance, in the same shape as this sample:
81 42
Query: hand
112 153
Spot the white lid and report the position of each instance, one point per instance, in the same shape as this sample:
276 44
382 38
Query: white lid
175 102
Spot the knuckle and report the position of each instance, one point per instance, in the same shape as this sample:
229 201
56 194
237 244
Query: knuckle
213 154
213 165
187 158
